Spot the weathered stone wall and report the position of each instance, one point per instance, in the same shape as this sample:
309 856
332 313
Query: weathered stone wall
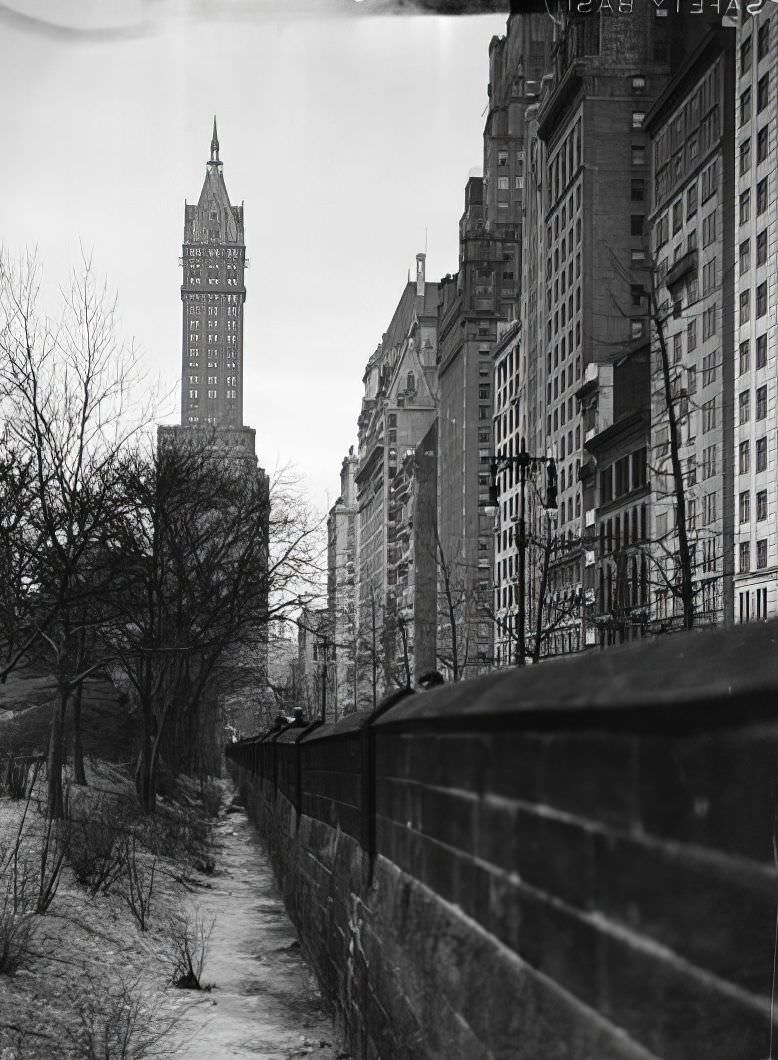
575 860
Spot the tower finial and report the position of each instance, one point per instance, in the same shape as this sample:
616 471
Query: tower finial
214 144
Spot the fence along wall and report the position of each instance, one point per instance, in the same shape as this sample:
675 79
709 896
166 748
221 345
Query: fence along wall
573 860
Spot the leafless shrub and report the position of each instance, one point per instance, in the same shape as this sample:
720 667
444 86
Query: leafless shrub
97 850
17 928
116 1023
54 846
15 777
186 948
137 886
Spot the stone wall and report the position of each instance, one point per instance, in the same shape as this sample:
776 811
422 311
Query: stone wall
574 860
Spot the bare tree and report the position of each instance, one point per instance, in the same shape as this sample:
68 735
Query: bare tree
67 395
204 561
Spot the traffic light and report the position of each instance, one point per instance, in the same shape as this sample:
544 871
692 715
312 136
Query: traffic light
551 497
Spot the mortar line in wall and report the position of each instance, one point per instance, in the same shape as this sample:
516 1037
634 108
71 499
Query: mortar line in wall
759 1003
641 1053
694 853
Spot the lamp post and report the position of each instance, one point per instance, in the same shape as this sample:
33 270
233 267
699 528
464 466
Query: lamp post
522 460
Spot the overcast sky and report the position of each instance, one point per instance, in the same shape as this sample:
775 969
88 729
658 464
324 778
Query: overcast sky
344 134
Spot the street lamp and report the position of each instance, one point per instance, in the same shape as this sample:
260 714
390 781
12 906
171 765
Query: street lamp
522 460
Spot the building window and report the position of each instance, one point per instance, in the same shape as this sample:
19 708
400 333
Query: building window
745 355
638 155
709 461
744 406
761 454
691 201
503 183
745 54
708 509
709 276
744 557
762 139
761 402
502 158
709 368
761 248
691 335
677 348
745 156
761 554
637 189
745 256
744 457
761 299
636 224
744 207
761 197
745 106
744 507
761 351
677 216
709 415
762 93
710 180
762 40
638 117
745 306
761 506
709 323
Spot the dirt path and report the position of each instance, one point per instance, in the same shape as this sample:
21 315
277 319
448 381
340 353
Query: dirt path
264 1002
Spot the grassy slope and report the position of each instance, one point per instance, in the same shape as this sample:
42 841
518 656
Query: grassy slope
107 727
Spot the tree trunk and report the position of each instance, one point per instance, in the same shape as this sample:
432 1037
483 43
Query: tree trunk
55 803
79 774
684 554
145 778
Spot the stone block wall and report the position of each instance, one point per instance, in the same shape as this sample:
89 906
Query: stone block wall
575 860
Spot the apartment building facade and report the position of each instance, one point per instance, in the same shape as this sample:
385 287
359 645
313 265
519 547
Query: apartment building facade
341 588
755 454
398 408
692 377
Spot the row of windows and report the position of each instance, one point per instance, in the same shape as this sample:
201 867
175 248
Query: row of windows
744 506
194 395
762 46
744 404
760 611
744 456
623 530
708 186
744 556
744 203
230 380
762 98
744 252
626 474
762 143
761 303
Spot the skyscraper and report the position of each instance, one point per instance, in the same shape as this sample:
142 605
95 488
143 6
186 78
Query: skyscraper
213 291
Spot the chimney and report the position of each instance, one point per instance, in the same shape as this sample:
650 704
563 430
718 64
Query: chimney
420 259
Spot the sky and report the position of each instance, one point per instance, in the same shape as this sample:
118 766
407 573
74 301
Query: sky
348 135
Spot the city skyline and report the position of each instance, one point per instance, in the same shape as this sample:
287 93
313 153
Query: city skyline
108 171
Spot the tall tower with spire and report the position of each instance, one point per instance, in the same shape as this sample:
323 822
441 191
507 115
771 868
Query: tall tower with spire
213 293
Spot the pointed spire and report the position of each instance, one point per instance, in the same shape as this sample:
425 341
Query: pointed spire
214 159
